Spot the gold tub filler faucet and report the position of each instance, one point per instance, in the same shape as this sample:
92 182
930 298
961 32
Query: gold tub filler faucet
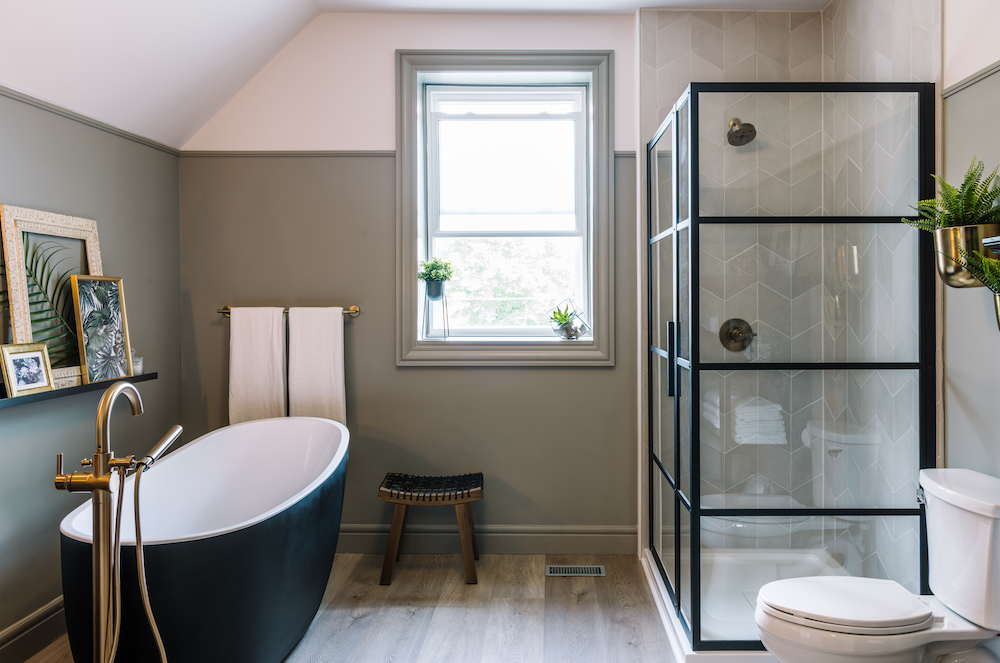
101 481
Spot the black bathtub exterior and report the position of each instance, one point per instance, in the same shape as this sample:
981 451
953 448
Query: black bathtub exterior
245 596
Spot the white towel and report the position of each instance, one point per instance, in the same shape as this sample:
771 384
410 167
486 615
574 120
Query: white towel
316 363
753 438
256 364
763 429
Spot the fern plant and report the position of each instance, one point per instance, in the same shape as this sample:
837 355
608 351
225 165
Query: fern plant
974 202
985 269
50 301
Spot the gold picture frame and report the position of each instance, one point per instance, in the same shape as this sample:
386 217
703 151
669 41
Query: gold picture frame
26 369
14 222
101 328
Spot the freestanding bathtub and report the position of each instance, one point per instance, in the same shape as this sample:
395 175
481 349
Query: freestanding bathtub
239 530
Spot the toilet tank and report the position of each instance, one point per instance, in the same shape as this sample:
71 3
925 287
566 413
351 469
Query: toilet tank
963 542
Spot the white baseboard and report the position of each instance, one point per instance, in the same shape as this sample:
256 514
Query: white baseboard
496 539
679 643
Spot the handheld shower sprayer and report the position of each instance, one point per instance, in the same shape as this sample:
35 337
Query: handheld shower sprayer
160 448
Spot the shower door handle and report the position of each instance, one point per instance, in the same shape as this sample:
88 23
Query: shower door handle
672 373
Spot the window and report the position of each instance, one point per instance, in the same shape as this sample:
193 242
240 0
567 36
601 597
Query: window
504 168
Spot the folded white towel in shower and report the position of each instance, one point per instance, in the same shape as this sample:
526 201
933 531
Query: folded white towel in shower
256 364
755 438
761 428
316 363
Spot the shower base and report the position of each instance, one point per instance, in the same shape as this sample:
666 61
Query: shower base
730 581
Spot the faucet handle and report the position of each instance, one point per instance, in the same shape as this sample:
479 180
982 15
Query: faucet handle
59 463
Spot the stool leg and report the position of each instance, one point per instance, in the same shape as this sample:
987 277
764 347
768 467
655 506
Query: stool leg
472 530
402 529
392 547
465 533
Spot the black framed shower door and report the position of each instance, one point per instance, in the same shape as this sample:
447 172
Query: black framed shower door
805 219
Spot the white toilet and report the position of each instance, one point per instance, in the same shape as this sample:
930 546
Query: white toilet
836 619
838 450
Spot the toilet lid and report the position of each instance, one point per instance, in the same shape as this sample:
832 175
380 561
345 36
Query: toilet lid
847 604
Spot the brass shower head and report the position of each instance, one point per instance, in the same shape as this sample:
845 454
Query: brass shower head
740 133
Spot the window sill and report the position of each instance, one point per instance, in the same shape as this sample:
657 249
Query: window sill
483 351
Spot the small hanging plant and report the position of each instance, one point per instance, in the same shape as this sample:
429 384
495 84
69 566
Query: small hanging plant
973 202
435 269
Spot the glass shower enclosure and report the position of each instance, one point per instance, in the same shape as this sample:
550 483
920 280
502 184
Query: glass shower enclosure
791 330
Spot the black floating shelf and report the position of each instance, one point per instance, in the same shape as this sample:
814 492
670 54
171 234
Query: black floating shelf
69 391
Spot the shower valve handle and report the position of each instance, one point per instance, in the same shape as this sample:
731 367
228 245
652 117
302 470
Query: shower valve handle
737 333
79 482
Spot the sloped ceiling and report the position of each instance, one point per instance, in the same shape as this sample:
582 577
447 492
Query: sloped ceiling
558 6
163 68
157 68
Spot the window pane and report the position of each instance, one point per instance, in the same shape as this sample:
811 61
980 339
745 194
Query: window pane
506 108
508 222
510 282
507 167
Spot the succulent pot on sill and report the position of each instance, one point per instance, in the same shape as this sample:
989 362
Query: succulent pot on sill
949 244
572 329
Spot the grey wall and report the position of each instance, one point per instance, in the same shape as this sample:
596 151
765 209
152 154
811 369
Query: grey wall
555 444
972 365
52 163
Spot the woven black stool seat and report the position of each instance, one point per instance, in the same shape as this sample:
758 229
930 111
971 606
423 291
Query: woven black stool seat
449 490
406 490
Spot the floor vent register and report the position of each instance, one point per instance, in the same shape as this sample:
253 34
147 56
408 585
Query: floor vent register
568 570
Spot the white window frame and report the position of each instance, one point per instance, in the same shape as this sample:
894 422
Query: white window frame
415 71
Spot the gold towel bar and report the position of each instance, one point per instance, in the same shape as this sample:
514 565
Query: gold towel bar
353 311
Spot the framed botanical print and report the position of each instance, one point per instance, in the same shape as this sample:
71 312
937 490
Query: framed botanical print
101 328
26 369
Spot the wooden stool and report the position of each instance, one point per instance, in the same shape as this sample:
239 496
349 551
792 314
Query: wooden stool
405 490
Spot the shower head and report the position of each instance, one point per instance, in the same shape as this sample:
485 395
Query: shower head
740 133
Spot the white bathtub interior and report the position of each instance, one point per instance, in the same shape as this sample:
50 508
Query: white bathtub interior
226 480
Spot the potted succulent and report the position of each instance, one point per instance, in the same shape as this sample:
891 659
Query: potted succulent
961 218
434 273
567 322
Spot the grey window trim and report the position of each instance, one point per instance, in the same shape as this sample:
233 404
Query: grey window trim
413 70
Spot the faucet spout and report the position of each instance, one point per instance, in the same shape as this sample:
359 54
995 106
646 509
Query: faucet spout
104 412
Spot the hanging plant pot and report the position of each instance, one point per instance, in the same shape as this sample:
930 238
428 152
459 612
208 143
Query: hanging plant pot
996 307
435 289
948 243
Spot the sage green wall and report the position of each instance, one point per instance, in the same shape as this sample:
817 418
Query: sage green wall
556 445
56 164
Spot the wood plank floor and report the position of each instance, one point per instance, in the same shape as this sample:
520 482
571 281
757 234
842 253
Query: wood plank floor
513 615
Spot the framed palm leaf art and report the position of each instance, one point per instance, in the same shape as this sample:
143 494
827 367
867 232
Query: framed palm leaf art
101 328
40 252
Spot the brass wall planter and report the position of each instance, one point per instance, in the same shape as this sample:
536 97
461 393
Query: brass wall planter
996 307
948 241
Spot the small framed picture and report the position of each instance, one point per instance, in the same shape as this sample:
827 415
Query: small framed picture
101 328
26 369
